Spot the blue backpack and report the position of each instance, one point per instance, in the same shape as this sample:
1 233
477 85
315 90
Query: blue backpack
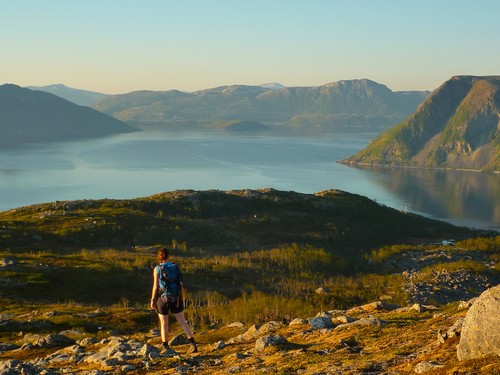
170 281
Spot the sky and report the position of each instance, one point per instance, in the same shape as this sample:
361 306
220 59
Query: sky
118 46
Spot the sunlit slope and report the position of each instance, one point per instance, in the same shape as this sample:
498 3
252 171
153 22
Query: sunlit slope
224 220
457 127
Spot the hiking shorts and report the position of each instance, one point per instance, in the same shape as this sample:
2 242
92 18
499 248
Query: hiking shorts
165 306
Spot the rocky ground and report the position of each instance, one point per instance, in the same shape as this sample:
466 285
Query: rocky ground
377 338
427 282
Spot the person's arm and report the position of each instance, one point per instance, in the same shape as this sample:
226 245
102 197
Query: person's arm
155 289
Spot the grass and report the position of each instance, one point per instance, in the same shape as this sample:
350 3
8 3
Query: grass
249 286
249 256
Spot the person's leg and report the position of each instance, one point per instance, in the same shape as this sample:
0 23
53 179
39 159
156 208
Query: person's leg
187 330
185 326
164 328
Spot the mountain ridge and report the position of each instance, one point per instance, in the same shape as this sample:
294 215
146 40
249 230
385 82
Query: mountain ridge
363 99
77 96
456 127
36 116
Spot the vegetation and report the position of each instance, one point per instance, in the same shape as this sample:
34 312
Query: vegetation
456 127
247 255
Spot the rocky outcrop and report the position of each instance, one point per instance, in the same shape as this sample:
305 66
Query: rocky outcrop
373 338
480 334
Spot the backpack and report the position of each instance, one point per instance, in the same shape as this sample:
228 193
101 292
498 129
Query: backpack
170 281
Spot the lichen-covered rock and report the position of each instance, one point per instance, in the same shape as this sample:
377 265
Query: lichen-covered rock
480 335
297 322
426 366
320 322
51 341
267 341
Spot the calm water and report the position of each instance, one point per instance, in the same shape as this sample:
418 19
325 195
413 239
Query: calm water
141 164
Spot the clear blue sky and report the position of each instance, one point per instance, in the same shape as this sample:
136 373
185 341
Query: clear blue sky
117 46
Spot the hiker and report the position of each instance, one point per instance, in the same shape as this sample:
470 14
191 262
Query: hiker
167 297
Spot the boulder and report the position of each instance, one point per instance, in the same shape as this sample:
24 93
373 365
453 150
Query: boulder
480 335
52 341
426 366
267 341
297 322
320 322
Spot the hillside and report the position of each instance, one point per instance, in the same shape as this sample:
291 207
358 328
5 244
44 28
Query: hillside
223 219
456 127
345 104
376 338
36 116
278 282
328 233
77 96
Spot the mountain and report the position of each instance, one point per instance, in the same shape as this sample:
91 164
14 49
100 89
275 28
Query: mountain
456 127
339 104
272 85
37 116
77 96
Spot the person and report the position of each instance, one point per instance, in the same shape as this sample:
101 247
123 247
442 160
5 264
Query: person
163 306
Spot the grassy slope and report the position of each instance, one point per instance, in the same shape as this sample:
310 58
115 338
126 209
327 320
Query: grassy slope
223 240
252 256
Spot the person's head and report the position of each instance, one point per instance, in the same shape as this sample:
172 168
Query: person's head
163 255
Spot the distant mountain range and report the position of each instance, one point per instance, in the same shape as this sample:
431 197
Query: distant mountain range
36 116
457 127
77 96
347 104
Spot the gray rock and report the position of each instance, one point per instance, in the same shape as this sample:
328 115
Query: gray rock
425 366
268 341
456 328
480 335
250 334
270 327
370 321
297 321
52 341
320 322
235 325
417 307
88 341
342 319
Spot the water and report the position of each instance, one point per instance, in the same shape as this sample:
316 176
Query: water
141 164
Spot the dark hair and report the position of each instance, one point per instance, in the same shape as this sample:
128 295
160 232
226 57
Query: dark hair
163 255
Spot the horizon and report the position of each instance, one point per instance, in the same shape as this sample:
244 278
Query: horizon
210 88
116 47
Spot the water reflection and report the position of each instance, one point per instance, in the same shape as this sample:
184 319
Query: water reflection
141 164
464 198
